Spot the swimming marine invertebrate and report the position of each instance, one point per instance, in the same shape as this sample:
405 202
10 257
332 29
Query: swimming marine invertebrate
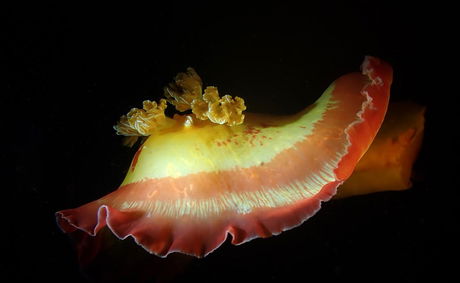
201 176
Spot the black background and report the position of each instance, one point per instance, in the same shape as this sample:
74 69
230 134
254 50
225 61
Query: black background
73 71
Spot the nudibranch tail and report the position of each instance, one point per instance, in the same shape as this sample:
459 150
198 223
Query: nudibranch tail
191 186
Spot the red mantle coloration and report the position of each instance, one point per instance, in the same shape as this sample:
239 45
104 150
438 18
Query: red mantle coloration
348 131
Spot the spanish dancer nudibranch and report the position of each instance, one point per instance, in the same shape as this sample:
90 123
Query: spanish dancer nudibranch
198 177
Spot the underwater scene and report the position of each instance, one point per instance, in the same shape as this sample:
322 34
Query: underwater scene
226 142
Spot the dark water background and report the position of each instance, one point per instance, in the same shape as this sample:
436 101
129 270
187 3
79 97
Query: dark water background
73 71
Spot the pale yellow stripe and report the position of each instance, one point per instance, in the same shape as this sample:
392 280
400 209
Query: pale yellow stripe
242 202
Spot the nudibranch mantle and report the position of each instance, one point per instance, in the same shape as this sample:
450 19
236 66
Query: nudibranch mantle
193 182
209 147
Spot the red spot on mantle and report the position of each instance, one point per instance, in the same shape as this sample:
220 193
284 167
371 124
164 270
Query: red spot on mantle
251 131
136 158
